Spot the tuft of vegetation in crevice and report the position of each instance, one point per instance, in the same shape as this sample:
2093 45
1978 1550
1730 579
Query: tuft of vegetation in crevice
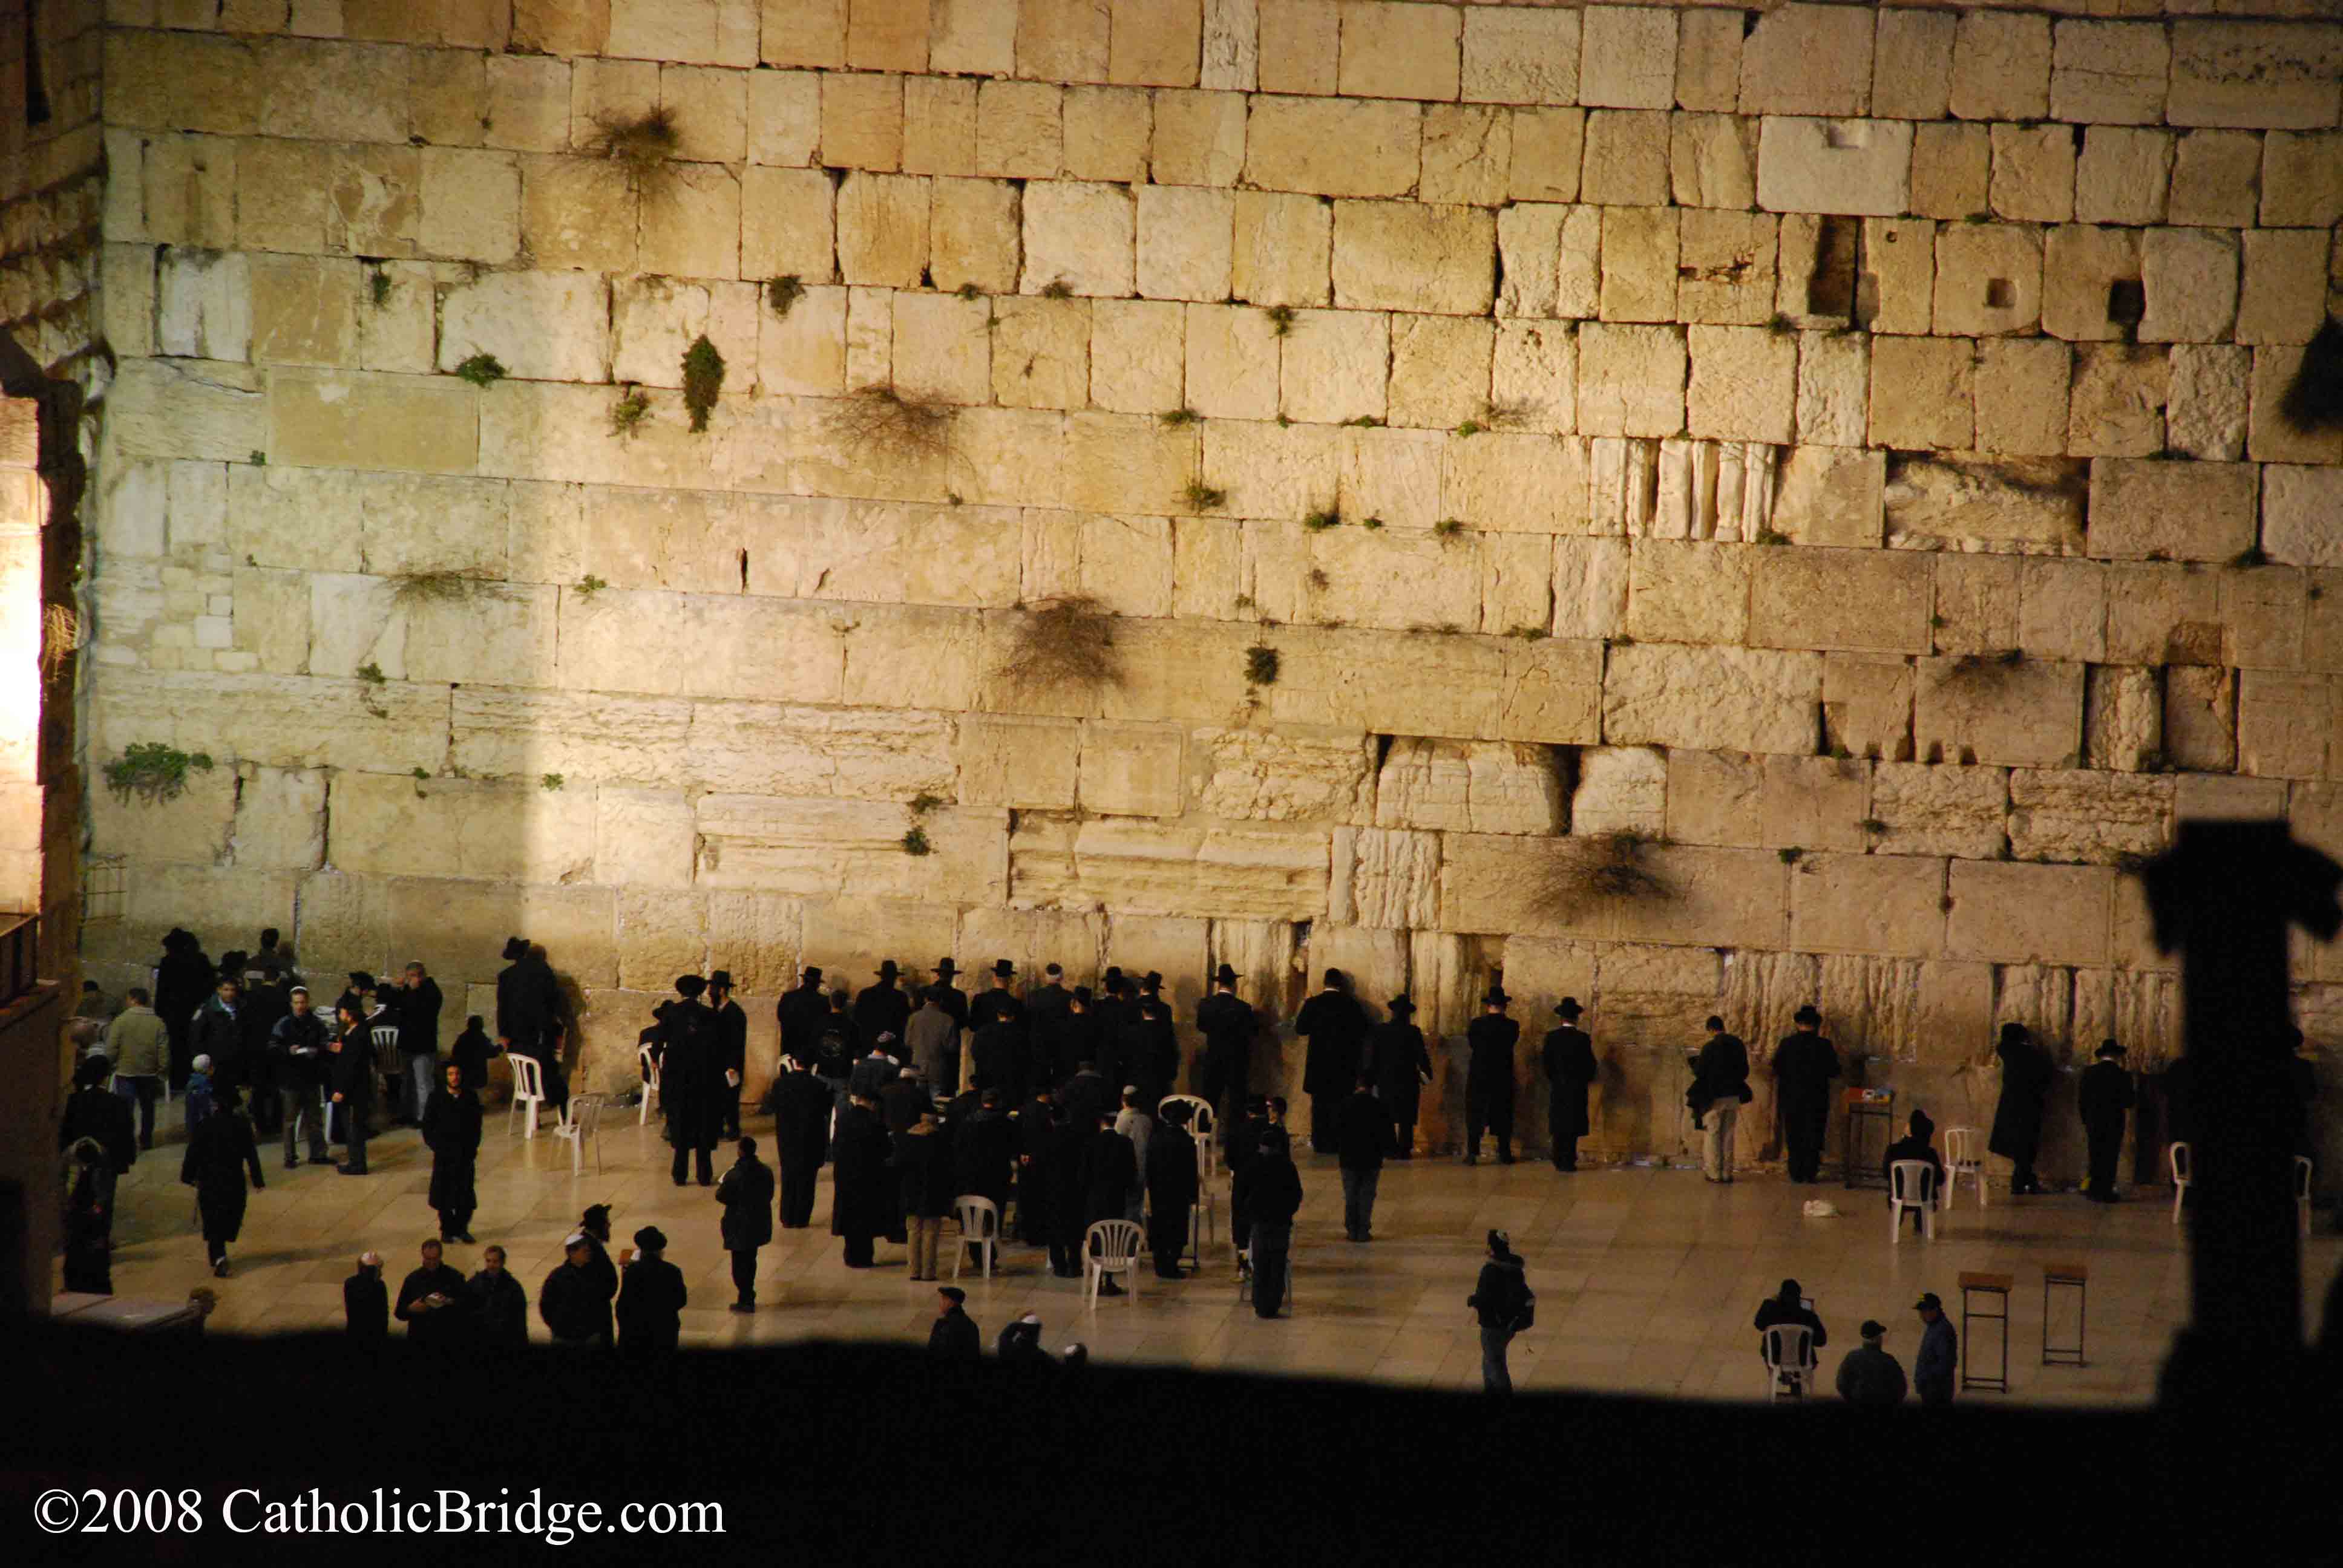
1769 537
1176 417
1447 530
894 423
1062 642
257 458
589 584
1319 521
481 370
378 286
371 673
1530 633
924 802
627 414
1261 665
640 145
1056 289
915 842
1609 868
703 380
549 782
1985 669
781 292
1873 826
153 771
1280 319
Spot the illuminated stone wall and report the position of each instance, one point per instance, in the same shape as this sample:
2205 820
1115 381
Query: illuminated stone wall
1840 445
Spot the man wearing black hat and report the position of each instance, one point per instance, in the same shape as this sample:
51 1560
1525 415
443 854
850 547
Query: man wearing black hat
1403 1069
1363 1140
731 1027
803 1104
1000 1048
692 1088
1804 1065
1048 1000
531 1015
1170 1171
955 1336
651 1299
1940 1352
1489 1078
837 1047
1569 1063
1335 1025
801 1012
883 1007
2103 1096
954 1000
999 1003
1228 1026
1788 1305
1112 1008
1150 1056
747 1194
1243 1143
1869 1375
2016 1135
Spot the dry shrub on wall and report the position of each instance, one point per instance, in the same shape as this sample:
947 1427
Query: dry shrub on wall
435 587
894 423
640 145
1606 869
1062 642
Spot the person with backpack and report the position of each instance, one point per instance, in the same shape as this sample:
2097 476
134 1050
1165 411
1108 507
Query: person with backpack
1506 1305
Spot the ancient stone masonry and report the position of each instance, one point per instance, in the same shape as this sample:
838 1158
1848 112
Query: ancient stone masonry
1824 464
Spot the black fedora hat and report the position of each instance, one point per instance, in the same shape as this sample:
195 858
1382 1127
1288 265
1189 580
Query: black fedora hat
1003 968
1224 975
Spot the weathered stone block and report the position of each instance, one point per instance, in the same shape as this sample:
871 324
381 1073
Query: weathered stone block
1830 496
1745 699
1988 279
1398 256
340 421
2123 174
1023 763
1744 384
1283 776
2115 405
1353 148
1842 600
1079 235
1920 392
2302 179
2185 511
1869 904
1631 379
1229 870
1682 591
1930 809
2034 173
1621 789
1833 165
2255 74
1333 366
1982 709
540 326
1627 57
1155 44
1528 484
2001 68
1547 153
1040 353
2191 278
2012 913
2200 718
2299 507
1198 138
2021 396
1808 60
882 229
1833 391
2098 819
2214 177
2082 264
1519 56
2284 300
1590 586
2031 505
2062 608
2109 73
1399 51
1951 170
1106 133
1467 155
2286 724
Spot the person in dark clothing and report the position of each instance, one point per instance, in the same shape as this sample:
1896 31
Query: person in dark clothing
1804 1065
883 1007
1112 1008
1062 1207
1940 1352
218 1030
1034 1139
574 1300
1869 1375
801 1012
2025 1075
1335 1025
532 1018
298 1047
2104 1097
96 1112
872 1074
451 1131
801 1113
1915 1144
184 978
432 1301
1109 1171
1020 1344
955 1336
651 1299
351 1074
219 1153
595 1226
1362 1141
470 1053
999 1003
861 1206
1228 1024
692 1082
953 1000
2302 1076
1150 1053
365 1301
1049 999
1269 1191
418 1004
499 1307
1502 1301
1719 1088
1568 1062
1788 1305
89 1219
731 1027
747 1194
1086 1093
1062 1039
921 1159
984 1149
1171 1188
1244 1148
902 1102
998 1052
1403 1070
1489 1078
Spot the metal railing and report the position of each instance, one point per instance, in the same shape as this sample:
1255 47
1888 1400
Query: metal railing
20 956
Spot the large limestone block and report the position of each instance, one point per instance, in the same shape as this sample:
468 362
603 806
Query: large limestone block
1627 56
1151 868
2109 73
1399 51
1869 904
1639 263
1385 878
205 305
2183 510
2190 279
167 408
1468 786
765 748
2001 68
458 928
1590 586
2062 610
329 420
1726 267
1020 130
643 837
1548 152
2269 437
1023 763
1831 494
284 721
2019 914
2283 299
194 828
632 538
2285 725
1952 166
1533 374
2205 407
1380 578
2299 507
2034 173
1734 699
1976 603
1336 148
1988 279
1920 392
662 932
2123 176
1332 367
1620 789
702 645
2122 718
1520 57
1625 162
2302 180
1198 139
1514 483
1283 776
1184 236
1686 591
2028 505
1895 290
1981 709
2021 395
1040 353
827 847
1867 706
1407 256
505 732
540 326
2095 818
1137 356
1535 887
2215 176
384 825
2255 74
1283 249
1712 162
1843 600
1131 769
1808 60
1833 165
1631 379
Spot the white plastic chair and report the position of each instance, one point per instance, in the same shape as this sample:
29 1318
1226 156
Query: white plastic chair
1111 1247
2183 1161
1789 1353
528 1087
1918 1178
1199 1125
581 1122
650 1084
2302 1190
1203 1220
1964 1156
979 1227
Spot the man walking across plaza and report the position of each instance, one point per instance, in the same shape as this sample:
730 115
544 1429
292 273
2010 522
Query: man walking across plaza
1362 1141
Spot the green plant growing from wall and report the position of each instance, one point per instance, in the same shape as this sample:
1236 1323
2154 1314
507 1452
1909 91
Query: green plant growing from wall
915 842
378 286
419 773
1792 856
589 584
1261 665
153 771
371 673
1280 319
627 414
549 782
1768 536
1470 427
703 379
1530 633
1202 497
1318 522
640 145
446 586
892 423
257 458
1061 643
1056 289
923 802
781 292
1448 530
481 370
1176 417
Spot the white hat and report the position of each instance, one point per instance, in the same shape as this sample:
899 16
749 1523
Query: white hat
576 1239
202 1064
370 1259
1033 1318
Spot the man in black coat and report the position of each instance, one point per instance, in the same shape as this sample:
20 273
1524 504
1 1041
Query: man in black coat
2104 1097
2016 1135
651 1299
1242 1145
532 1018
299 1044
998 1005
351 1074
999 1052
801 1011
1034 1140
1109 1011
419 1003
747 1194
1228 1024
1719 1088
184 977
883 1007
802 1112
692 1088
574 1300
1568 1061
1804 1065
432 1301
1268 1191
955 1336
1917 1143
1086 1095
984 1149
1060 1168
499 1306
1171 1188
1489 1078
1363 1140
862 1206
365 1301
1335 1025
94 1111
954 1000
1402 1067
451 1131
1150 1053
731 1044
1049 999
1109 1171
901 1103
219 1031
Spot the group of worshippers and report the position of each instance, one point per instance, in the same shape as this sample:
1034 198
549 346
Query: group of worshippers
1867 1375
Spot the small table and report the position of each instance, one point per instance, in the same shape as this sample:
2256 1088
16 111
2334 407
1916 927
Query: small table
2078 1276
1865 1105
1985 1284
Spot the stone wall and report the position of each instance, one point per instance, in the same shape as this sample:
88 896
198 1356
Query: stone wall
1840 446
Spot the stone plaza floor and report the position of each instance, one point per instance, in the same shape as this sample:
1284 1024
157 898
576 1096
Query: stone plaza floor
1646 1277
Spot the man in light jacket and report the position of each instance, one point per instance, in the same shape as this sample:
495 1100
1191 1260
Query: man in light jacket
140 1044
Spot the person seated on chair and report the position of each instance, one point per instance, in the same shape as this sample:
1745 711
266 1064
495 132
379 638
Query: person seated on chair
1789 1306
1869 1375
1915 1145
